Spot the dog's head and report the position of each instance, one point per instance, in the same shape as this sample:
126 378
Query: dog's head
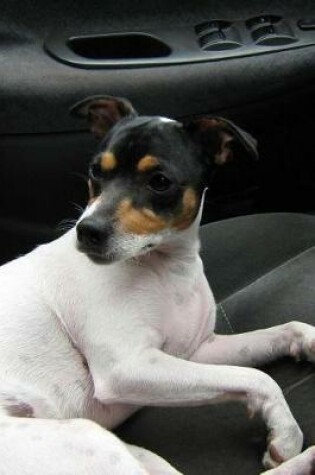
147 180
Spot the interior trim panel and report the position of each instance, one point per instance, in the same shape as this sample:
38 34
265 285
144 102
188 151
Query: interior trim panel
37 90
211 40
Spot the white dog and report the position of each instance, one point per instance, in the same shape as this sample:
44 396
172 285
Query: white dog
85 344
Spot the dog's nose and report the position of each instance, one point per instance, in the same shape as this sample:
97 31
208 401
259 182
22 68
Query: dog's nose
92 233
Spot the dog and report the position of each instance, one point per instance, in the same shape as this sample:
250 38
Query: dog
117 313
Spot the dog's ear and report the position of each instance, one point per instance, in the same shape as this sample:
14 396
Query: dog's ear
220 139
102 112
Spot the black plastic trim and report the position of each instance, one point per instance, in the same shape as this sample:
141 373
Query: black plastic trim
182 45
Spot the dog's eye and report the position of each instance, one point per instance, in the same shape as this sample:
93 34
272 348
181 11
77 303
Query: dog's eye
160 183
96 171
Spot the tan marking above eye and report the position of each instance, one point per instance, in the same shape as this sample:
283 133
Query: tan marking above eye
147 163
108 161
138 221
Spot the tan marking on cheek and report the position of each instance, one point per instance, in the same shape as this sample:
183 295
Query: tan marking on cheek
190 202
138 221
147 163
108 161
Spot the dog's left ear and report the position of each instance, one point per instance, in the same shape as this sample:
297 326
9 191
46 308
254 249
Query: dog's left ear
220 138
103 112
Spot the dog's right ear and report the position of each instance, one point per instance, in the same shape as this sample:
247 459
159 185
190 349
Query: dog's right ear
103 112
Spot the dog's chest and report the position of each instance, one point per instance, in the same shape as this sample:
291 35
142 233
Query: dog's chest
188 313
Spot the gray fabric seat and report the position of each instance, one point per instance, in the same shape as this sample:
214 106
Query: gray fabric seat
262 271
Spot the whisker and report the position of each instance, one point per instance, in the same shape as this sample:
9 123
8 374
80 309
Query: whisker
81 176
77 207
66 224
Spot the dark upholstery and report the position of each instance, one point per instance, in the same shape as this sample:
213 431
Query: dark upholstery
262 271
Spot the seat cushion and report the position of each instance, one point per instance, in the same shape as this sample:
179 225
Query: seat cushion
262 271
238 251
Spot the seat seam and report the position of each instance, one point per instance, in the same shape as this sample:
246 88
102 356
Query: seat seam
283 264
287 390
225 317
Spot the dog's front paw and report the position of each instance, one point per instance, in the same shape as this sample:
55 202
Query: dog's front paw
283 446
303 341
285 437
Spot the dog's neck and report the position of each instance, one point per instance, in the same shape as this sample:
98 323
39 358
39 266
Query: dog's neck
184 244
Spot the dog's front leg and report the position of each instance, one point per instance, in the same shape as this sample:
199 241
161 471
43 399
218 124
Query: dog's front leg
156 378
258 347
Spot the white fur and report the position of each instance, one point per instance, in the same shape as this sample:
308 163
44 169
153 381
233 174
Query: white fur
145 327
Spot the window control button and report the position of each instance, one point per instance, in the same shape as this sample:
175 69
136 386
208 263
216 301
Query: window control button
207 26
214 37
262 32
271 36
211 26
217 42
262 20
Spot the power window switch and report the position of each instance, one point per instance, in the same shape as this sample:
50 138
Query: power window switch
212 38
272 36
263 32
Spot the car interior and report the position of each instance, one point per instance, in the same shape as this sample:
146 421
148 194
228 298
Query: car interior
252 63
